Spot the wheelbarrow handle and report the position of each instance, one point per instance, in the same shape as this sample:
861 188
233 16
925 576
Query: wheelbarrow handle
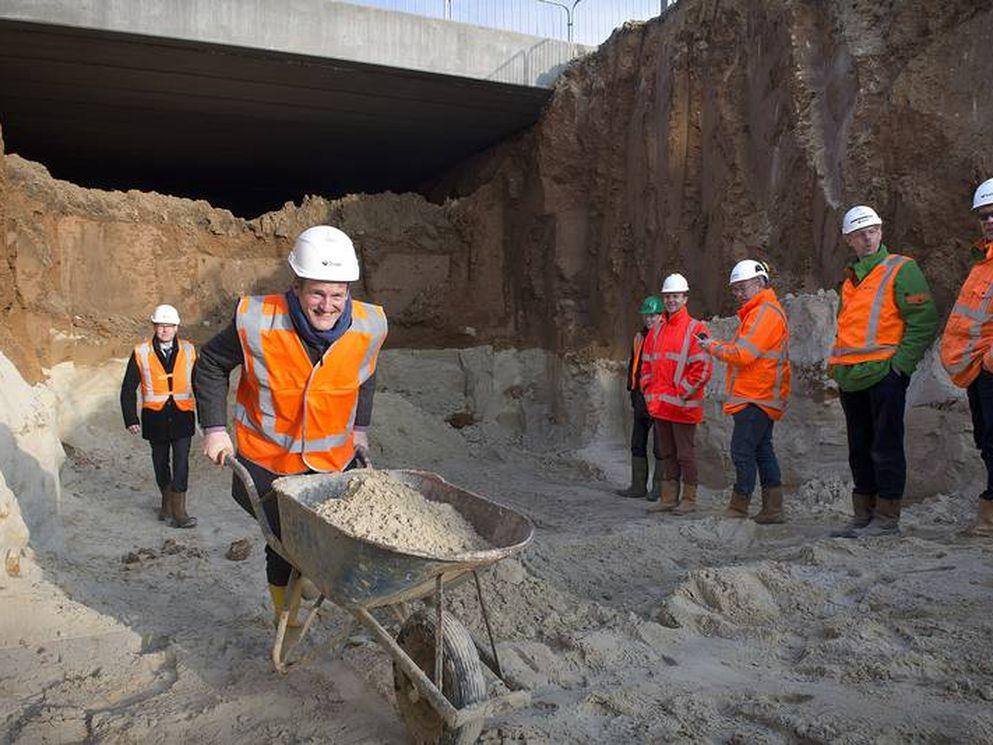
253 496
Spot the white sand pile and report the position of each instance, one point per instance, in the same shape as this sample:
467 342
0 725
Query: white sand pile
379 507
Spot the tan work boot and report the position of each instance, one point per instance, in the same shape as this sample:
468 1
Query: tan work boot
772 506
863 508
885 519
669 497
177 503
738 506
165 509
687 503
984 520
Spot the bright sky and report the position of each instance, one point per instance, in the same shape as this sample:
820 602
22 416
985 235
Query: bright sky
594 20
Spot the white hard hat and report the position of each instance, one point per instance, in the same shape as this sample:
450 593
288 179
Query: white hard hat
165 314
325 254
859 217
983 195
748 269
675 283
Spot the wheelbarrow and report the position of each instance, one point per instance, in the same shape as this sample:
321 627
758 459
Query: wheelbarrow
438 663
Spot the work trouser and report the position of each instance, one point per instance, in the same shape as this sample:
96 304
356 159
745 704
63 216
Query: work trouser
875 436
177 476
641 427
752 451
980 393
675 440
277 569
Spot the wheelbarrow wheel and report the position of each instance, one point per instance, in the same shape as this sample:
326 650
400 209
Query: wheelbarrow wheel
462 679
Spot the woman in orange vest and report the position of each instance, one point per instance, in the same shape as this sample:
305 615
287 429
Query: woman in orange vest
674 374
758 387
163 367
307 355
967 347
641 424
886 322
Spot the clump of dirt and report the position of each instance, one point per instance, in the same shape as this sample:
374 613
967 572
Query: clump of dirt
379 507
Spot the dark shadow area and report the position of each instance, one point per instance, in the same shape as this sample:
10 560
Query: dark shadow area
245 129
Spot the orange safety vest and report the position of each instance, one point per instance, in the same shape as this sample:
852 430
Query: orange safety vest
870 326
293 416
968 334
636 347
675 369
758 357
157 385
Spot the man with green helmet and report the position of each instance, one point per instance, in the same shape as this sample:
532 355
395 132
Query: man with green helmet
651 310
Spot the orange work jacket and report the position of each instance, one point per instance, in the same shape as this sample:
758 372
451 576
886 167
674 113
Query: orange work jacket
870 326
157 385
968 337
675 369
758 357
637 345
293 416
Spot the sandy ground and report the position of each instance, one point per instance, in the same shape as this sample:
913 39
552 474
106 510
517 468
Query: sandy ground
630 627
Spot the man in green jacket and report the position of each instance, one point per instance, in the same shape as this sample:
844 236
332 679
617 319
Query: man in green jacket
886 321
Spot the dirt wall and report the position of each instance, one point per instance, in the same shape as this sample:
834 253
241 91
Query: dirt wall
736 128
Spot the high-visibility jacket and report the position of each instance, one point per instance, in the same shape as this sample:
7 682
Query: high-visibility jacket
968 335
675 369
870 326
157 385
634 374
293 416
758 357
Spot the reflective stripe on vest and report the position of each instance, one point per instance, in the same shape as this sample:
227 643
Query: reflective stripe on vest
782 359
681 359
969 319
871 349
157 386
266 329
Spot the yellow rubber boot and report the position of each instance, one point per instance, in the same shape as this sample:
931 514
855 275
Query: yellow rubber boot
278 595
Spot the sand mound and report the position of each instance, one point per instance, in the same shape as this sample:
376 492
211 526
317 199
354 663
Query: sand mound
379 507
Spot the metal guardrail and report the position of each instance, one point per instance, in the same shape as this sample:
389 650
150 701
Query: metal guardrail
582 21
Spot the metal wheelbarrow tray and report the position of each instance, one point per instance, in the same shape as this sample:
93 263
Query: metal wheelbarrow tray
359 575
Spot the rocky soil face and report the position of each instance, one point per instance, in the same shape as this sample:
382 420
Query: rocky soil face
722 130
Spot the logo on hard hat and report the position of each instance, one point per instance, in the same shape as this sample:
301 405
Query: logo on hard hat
328 262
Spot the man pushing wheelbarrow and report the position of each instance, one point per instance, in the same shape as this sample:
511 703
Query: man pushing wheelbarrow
304 401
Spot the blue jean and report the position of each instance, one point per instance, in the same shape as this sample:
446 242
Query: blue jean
751 450
980 394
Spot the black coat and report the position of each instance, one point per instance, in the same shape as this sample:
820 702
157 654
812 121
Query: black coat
157 426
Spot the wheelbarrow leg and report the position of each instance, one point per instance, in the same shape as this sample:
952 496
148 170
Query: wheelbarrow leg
293 589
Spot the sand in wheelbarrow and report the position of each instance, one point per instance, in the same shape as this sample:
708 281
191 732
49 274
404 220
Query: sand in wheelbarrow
377 506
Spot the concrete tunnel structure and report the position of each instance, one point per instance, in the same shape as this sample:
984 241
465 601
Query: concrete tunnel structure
252 103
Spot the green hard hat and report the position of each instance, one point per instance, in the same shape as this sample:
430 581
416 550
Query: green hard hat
651 305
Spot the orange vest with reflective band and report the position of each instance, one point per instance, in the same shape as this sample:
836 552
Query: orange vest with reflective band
157 385
870 326
293 416
633 383
758 358
968 334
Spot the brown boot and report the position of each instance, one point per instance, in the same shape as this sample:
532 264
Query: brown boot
984 520
178 504
863 508
164 510
738 506
687 503
885 519
669 497
772 506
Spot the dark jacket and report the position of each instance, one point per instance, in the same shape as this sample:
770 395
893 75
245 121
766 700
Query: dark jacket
222 354
157 426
